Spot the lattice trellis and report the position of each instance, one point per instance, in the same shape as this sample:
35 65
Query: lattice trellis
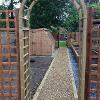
92 83
9 56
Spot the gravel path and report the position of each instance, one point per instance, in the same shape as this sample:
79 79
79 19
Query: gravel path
57 83
39 66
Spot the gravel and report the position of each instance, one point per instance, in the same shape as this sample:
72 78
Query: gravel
58 82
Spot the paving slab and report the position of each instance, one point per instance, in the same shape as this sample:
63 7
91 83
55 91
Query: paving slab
57 83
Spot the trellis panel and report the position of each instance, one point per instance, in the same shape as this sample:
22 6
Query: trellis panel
92 77
9 56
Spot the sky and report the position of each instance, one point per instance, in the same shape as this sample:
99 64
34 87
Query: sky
2 1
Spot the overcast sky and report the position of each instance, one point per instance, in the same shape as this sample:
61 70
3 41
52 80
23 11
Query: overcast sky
2 1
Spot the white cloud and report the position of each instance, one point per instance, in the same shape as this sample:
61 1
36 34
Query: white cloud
6 3
18 5
0 1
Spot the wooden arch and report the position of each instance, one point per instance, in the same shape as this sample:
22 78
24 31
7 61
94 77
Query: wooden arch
82 9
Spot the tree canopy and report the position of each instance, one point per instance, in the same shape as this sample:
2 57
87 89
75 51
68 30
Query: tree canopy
56 13
52 13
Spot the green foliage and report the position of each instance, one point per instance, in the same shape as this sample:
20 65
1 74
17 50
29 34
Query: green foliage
97 6
56 13
2 16
54 29
72 21
3 7
47 13
2 25
62 43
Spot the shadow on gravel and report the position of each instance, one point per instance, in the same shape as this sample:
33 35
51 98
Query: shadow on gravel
39 66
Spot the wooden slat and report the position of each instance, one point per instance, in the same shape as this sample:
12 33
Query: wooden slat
3 20
96 20
8 29
7 11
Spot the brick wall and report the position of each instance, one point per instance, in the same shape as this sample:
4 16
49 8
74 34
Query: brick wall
41 42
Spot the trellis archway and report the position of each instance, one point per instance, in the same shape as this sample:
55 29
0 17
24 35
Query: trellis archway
24 15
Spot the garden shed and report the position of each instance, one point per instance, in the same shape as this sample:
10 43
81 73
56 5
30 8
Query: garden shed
42 43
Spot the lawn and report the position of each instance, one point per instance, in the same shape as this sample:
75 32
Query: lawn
61 43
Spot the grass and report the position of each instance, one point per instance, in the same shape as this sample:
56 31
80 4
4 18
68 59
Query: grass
61 43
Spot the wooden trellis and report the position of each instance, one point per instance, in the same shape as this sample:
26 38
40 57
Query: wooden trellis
92 76
9 56
14 57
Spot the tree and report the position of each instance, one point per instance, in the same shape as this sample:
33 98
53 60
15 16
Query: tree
72 21
56 13
2 15
47 13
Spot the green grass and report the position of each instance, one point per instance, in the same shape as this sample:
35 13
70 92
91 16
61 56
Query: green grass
61 43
